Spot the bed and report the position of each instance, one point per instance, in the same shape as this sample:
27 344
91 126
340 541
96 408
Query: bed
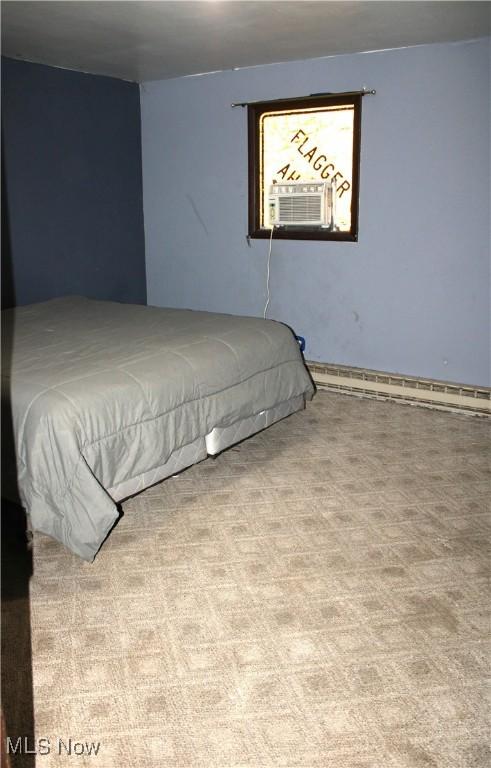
105 399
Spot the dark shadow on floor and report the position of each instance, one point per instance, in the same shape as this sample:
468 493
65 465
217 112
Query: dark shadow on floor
17 691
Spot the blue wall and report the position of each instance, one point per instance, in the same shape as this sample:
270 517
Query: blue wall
72 184
412 296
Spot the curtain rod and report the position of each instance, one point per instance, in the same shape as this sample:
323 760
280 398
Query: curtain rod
364 92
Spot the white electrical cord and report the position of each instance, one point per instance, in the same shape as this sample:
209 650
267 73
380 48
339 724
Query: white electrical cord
269 272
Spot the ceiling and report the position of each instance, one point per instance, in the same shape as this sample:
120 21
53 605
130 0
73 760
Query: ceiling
156 40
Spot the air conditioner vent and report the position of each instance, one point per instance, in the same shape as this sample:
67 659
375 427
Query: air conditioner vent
302 203
300 208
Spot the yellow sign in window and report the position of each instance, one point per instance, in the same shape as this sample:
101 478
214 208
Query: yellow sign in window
305 167
309 146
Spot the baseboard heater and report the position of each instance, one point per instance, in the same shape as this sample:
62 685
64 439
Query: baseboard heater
392 386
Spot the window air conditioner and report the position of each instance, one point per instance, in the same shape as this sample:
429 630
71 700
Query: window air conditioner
301 203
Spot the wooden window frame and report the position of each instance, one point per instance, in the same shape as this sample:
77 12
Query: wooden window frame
255 111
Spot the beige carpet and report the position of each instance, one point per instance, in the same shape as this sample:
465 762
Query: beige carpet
316 596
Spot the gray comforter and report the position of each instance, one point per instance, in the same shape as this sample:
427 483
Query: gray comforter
100 392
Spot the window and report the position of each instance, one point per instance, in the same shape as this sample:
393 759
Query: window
303 168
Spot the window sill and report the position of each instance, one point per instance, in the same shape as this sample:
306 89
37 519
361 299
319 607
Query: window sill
282 233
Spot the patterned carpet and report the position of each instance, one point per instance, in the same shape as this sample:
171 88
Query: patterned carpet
316 596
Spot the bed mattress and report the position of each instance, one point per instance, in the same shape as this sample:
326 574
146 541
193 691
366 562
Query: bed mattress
105 399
